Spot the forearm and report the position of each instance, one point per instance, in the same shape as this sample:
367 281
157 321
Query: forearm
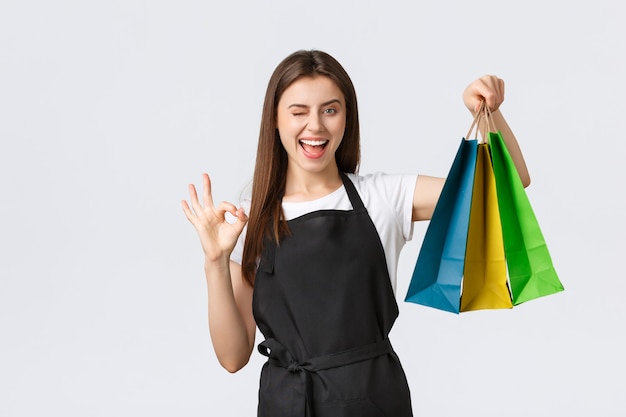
511 144
228 329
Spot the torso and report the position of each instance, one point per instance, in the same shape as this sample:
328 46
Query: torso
323 298
388 198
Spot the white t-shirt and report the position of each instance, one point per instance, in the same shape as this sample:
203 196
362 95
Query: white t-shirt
388 199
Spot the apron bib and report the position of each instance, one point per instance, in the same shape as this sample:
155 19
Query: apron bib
324 302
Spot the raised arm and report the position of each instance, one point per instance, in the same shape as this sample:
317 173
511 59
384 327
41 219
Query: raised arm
489 89
231 323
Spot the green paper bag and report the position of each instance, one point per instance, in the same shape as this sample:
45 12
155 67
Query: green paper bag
531 273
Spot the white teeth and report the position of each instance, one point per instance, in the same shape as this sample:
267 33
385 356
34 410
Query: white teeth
314 142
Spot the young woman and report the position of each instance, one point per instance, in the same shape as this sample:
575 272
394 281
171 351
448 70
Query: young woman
314 264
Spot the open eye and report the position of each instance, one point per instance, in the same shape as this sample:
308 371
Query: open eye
330 110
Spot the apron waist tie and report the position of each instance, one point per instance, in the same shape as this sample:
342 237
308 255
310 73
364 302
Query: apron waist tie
278 355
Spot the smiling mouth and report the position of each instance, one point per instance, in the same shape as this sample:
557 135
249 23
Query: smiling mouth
308 142
313 147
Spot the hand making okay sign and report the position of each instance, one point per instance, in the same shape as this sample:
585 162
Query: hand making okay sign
217 235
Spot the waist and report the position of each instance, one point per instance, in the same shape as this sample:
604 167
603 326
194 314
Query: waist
301 396
278 355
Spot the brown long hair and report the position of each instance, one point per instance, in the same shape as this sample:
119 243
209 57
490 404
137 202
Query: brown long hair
270 172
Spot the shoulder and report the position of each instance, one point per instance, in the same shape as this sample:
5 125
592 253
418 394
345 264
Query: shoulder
383 185
388 199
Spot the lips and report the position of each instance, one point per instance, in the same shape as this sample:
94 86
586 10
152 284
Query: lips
313 148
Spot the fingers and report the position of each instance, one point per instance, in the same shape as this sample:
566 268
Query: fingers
237 212
207 198
226 207
188 213
197 209
241 216
492 91
241 221
193 196
487 88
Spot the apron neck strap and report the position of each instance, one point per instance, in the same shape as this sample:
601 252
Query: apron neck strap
353 195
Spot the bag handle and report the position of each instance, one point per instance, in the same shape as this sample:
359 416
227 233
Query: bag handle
483 115
477 119
491 126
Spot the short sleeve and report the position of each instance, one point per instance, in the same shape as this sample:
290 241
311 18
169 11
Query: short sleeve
388 199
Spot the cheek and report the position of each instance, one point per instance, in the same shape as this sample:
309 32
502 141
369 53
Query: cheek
340 129
340 125
286 139
288 126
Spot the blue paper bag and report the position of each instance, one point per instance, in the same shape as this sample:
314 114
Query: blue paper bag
438 273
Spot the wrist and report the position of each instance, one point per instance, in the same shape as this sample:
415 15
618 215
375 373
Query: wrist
217 262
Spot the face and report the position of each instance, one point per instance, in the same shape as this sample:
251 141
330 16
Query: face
311 120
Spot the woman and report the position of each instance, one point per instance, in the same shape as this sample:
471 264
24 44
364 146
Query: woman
316 270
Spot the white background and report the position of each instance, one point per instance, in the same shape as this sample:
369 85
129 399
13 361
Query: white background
108 109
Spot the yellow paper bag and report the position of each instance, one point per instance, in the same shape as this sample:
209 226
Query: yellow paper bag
484 276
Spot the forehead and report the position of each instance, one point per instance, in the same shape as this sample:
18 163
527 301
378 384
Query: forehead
311 91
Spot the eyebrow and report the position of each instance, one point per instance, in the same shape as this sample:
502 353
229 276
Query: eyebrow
329 102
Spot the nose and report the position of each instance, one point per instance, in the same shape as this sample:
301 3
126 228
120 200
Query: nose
315 123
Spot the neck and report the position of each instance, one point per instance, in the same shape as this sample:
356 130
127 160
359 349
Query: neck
305 186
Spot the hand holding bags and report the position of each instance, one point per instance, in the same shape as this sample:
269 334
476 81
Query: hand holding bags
482 224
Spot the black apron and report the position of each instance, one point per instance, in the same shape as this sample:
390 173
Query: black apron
324 302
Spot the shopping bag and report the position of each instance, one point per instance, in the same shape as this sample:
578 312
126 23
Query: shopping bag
436 279
531 272
484 278
483 248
